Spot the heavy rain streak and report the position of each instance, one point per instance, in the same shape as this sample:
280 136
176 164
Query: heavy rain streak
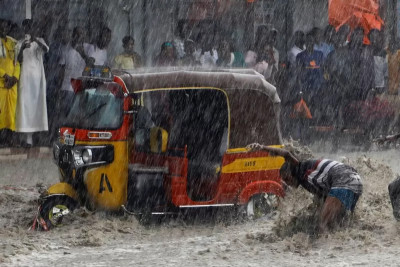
199 132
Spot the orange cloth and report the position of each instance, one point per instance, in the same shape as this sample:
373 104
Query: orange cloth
355 13
341 10
301 110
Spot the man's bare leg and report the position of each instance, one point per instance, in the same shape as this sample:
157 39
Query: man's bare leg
331 211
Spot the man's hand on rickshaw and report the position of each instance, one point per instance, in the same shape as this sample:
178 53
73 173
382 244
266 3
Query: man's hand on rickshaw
275 152
271 150
255 146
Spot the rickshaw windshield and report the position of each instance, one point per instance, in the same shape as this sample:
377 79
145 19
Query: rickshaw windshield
96 109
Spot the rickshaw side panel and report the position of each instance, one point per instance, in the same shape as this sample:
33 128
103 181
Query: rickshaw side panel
242 175
251 172
175 181
107 185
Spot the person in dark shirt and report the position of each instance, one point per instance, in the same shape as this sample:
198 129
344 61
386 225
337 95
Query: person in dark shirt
309 70
361 61
309 79
167 55
339 184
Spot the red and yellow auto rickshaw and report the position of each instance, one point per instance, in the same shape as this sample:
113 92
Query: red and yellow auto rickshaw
163 141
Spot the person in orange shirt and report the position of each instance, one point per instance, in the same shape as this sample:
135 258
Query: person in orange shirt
9 76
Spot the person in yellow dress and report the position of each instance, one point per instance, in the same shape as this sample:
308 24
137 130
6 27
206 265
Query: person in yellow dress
129 59
9 76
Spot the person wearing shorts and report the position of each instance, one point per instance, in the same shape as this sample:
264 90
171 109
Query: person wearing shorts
339 184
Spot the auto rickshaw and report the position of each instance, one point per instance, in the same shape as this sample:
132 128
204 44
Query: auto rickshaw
163 141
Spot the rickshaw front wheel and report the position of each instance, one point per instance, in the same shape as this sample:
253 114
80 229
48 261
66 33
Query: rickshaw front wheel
260 205
55 208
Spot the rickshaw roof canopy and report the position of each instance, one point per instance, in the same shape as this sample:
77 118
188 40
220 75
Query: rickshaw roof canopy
254 103
225 79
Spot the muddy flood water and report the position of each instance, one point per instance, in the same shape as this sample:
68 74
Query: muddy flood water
285 238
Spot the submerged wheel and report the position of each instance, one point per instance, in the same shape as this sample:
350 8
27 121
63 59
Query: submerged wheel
144 218
261 205
54 209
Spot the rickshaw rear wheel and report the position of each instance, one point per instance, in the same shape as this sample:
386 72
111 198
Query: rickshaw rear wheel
260 205
55 208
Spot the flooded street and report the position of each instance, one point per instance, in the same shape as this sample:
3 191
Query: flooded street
212 111
285 239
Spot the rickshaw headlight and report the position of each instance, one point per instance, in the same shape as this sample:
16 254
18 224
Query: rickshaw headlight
87 156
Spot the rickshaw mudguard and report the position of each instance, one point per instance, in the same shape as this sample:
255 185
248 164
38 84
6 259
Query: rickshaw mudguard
260 187
62 189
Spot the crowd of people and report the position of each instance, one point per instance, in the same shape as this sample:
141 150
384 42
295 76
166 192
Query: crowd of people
327 70
336 73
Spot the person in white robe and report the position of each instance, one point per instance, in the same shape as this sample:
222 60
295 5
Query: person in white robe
31 113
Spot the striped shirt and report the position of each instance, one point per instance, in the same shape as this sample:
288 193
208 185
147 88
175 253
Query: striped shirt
320 176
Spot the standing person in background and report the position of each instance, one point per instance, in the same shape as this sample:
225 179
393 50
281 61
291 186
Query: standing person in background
266 54
167 56
380 60
54 81
298 47
250 57
271 41
309 70
31 115
189 59
179 40
9 76
228 57
98 51
394 67
337 75
394 79
309 75
261 56
265 62
378 112
209 54
129 59
290 91
327 45
323 39
15 31
72 63
361 61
